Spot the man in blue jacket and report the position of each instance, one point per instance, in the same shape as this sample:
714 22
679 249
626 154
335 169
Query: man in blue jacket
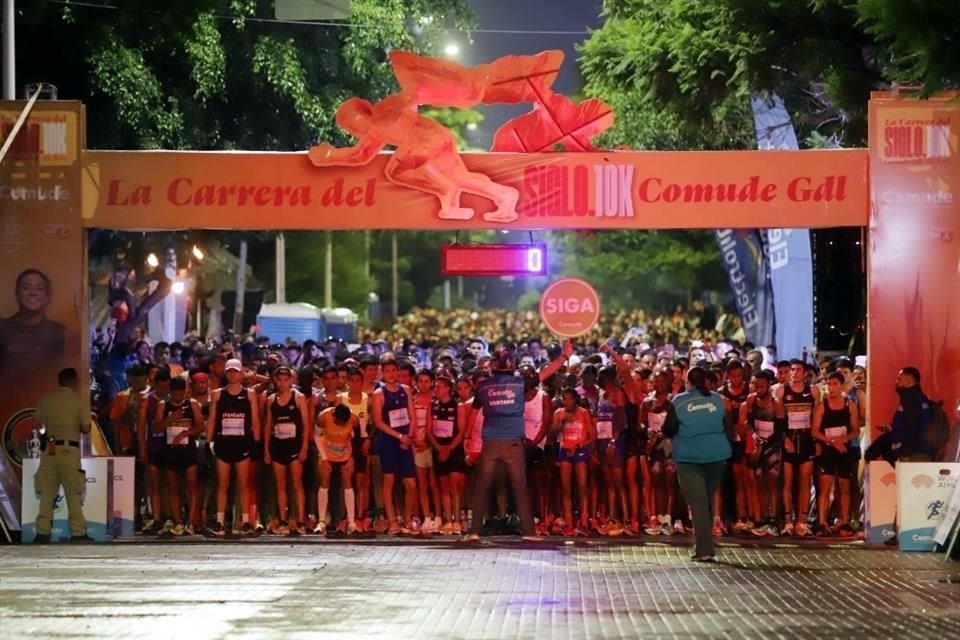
501 397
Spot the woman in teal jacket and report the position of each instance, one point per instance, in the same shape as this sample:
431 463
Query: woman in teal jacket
701 448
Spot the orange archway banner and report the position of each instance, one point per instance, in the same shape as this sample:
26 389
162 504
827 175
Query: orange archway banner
597 190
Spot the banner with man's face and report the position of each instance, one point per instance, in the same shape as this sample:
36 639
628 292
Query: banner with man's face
41 265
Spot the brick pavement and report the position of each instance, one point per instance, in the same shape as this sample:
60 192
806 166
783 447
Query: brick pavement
403 589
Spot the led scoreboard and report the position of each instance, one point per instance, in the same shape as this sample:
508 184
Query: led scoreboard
493 260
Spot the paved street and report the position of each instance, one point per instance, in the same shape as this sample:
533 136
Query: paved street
404 589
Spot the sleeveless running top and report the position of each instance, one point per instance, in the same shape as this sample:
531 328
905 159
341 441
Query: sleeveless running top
154 439
736 399
762 419
836 422
610 418
234 415
175 428
395 413
420 416
475 443
287 421
336 442
799 409
573 431
533 417
656 415
358 409
444 415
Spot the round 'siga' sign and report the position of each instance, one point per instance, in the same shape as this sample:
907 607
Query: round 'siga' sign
569 307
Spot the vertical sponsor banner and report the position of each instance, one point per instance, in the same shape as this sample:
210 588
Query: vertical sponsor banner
791 281
914 255
41 268
788 250
742 251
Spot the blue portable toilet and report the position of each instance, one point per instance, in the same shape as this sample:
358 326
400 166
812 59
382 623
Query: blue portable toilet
297 320
341 324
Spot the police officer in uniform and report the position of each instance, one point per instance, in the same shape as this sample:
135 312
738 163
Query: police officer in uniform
64 416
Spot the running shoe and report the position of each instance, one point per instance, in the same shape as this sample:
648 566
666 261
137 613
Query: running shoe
167 531
614 529
802 530
679 528
568 531
787 529
299 530
470 537
258 528
178 530
653 527
188 530
246 530
281 528
718 528
394 530
414 525
846 531
457 529
218 530
739 527
320 529
823 531
666 527
351 528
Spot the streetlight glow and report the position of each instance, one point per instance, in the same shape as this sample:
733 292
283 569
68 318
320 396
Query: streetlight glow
152 261
471 126
452 49
178 287
197 252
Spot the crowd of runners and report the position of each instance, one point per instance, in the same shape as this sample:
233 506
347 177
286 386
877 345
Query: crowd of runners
248 438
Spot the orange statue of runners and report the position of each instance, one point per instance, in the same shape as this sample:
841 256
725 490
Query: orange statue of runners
425 156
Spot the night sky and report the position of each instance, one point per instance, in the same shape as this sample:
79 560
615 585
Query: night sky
530 15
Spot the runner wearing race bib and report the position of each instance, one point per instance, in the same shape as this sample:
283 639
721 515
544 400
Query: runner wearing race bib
735 393
537 412
836 424
446 437
657 467
611 423
287 437
765 421
358 402
233 430
428 490
337 425
799 449
180 419
577 432
393 414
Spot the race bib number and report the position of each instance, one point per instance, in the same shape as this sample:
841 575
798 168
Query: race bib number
798 420
655 422
233 426
572 434
337 452
764 428
604 430
835 432
173 432
443 428
285 430
421 416
398 418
